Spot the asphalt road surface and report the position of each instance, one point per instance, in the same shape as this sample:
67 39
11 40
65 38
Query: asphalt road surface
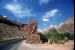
9 44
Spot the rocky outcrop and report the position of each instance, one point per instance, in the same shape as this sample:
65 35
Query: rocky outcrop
32 35
68 26
9 29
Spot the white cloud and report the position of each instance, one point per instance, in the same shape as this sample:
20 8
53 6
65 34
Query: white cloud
61 24
45 30
53 26
50 13
45 20
4 16
40 30
18 10
43 1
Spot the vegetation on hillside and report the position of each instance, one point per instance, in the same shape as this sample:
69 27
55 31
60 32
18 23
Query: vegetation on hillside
56 36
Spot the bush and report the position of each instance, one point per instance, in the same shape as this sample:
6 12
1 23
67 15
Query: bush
54 35
70 36
43 38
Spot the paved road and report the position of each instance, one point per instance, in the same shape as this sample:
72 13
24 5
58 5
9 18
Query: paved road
9 44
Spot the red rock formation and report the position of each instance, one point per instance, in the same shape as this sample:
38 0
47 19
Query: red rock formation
68 26
31 32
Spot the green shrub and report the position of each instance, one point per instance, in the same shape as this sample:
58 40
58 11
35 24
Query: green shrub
56 37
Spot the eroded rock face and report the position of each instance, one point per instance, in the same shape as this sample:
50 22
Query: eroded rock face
32 35
68 26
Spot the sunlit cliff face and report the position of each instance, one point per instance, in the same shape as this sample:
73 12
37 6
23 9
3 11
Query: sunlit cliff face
30 27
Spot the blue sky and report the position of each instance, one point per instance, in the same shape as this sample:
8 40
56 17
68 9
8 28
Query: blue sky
45 12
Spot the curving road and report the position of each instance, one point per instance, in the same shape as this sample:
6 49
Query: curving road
7 45
21 45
